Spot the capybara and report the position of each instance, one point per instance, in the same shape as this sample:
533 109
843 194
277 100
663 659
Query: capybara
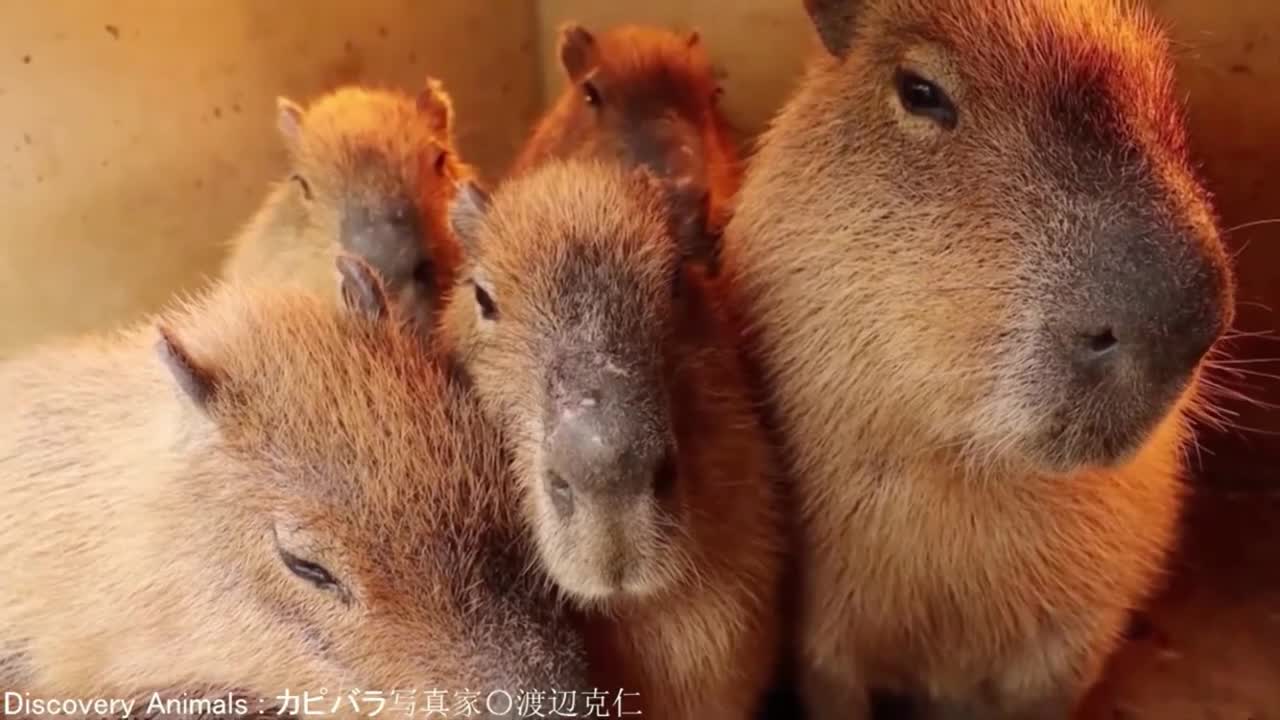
371 173
978 276
645 96
263 493
595 335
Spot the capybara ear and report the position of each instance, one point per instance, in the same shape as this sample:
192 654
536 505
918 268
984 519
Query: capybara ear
693 38
466 215
436 107
579 53
198 381
834 20
289 123
362 289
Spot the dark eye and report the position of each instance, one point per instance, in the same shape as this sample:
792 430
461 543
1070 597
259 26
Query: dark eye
487 308
591 94
442 162
302 182
924 98
309 571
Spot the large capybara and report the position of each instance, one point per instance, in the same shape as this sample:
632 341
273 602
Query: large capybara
979 276
262 493
371 173
646 97
586 321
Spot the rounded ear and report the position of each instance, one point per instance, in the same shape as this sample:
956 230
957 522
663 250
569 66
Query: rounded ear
466 214
433 161
693 38
579 53
362 289
834 20
436 107
198 382
289 122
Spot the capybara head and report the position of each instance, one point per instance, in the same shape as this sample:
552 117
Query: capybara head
565 318
643 96
992 224
376 170
360 499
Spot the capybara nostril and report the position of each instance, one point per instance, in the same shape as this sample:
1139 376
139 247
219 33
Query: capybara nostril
1093 350
664 477
1101 343
560 492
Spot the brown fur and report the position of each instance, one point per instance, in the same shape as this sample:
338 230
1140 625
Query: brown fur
585 245
959 542
359 157
655 84
139 516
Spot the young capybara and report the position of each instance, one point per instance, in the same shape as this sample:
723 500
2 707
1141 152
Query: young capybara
979 277
594 334
371 173
644 96
265 494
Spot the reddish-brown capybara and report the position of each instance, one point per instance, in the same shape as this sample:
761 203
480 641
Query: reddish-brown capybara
371 173
646 97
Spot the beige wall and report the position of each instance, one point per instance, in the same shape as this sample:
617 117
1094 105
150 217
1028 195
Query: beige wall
137 135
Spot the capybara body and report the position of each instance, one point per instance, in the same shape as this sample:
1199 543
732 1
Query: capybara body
587 323
371 173
260 493
643 96
978 277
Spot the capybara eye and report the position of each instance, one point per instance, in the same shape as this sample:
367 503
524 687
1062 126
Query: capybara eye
924 98
487 307
306 186
441 162
591 94
308 571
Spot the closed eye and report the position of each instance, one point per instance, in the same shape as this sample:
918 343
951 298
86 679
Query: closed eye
306 186
309 571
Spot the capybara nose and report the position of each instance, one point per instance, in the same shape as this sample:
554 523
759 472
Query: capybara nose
603 452
1154 310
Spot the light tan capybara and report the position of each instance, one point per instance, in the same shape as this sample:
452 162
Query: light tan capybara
980 277
646 97
371 173
261 492
586 321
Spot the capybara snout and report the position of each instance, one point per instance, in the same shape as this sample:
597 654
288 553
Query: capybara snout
1128 316
608 432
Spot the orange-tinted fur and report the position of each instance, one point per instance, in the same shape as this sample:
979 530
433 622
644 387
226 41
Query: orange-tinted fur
887 273
142 520
641 71
367 150
703 645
